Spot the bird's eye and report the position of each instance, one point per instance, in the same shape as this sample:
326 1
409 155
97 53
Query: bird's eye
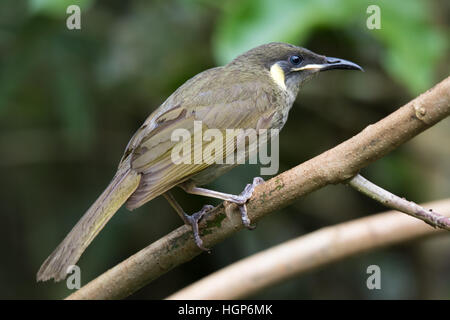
295 60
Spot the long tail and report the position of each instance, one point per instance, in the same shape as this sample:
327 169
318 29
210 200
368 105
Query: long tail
69 251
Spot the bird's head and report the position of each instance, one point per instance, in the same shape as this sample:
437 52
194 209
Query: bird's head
289 65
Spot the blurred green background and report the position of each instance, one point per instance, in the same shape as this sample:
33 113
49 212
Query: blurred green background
71 99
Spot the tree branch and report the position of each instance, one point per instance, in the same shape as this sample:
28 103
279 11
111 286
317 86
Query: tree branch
392 201
297 256
333 166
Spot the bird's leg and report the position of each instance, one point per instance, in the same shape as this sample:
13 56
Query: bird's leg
191 220
240 199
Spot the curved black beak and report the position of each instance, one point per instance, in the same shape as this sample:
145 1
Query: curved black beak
336 63
330 64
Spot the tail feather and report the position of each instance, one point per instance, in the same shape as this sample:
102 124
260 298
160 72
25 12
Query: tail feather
70 249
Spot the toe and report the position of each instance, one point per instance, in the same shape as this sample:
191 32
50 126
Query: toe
199 243
244 216
257 181
207 207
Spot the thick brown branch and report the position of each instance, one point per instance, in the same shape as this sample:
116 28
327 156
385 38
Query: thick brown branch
333 166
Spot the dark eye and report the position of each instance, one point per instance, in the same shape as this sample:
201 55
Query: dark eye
295 60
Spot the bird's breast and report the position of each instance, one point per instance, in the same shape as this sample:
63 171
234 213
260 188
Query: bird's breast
281 106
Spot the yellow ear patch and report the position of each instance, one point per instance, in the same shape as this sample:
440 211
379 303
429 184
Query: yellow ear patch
277 75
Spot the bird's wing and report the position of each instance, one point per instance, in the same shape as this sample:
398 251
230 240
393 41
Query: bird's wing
242 105
147 170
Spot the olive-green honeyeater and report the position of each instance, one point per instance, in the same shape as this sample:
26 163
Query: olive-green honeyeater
256 90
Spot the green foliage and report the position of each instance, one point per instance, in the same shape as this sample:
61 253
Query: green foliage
413 44
56 8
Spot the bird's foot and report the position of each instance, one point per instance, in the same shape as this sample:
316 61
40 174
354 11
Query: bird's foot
242 199
193 220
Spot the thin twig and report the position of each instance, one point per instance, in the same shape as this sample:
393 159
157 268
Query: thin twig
336 165
392 201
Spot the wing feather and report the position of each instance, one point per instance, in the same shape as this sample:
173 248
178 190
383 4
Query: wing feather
241 105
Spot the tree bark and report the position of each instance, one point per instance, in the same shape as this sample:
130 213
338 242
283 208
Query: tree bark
336 165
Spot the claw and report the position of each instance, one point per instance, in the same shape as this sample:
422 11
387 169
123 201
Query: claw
257 181
193 220
242 199
245 219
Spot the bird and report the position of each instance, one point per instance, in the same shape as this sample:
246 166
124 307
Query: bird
256 90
